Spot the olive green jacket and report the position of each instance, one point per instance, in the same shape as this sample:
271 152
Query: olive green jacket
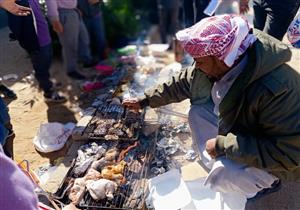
259 121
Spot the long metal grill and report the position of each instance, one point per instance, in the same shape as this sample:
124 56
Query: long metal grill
130 195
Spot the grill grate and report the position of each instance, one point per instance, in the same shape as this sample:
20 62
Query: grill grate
130 195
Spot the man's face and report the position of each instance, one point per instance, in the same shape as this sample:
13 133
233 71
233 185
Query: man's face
214 68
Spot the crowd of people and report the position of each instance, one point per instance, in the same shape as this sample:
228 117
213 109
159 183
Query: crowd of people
244 97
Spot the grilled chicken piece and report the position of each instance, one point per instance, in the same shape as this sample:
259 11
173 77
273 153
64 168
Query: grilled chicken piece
114 172
102 189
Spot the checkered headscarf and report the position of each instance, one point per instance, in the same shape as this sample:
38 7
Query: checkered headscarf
224 36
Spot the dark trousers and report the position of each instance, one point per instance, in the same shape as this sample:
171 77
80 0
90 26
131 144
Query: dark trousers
168 18
274 16
193 11
41 61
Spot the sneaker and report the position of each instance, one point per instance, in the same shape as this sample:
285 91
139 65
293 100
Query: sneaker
76 75
54 97
274 188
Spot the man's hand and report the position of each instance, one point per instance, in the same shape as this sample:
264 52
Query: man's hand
244 6
211 147
14 8
132 103
57 26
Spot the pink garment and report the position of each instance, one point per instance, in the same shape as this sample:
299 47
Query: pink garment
16 189
224 36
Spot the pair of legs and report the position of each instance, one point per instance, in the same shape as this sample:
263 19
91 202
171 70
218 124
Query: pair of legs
41 60
74 30
95 27
225 175
168 18
274 16
193 11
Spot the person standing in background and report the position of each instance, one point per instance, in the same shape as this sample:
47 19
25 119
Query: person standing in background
168 18
33 35
272 16
93 20
67 23
193 11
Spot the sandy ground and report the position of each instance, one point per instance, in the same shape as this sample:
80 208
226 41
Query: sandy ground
29 111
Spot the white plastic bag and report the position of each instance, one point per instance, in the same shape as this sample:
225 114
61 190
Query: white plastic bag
52 136
293 32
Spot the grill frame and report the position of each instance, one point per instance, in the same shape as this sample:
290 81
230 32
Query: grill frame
141 178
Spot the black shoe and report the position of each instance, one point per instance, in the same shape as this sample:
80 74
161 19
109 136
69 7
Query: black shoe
274 188
54 97
76 75
8 93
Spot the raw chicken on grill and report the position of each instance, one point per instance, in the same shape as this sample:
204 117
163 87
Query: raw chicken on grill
111 154
77 191
102 189
92 174
99 164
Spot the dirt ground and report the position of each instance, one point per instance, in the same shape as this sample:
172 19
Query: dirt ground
29 111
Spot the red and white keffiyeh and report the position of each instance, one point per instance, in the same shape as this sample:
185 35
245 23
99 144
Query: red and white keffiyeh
224 36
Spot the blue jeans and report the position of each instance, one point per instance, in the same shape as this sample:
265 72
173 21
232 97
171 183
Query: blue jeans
95 27
41 61
4 119
274 16
74 30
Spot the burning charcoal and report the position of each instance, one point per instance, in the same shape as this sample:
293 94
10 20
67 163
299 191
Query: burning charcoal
102 189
